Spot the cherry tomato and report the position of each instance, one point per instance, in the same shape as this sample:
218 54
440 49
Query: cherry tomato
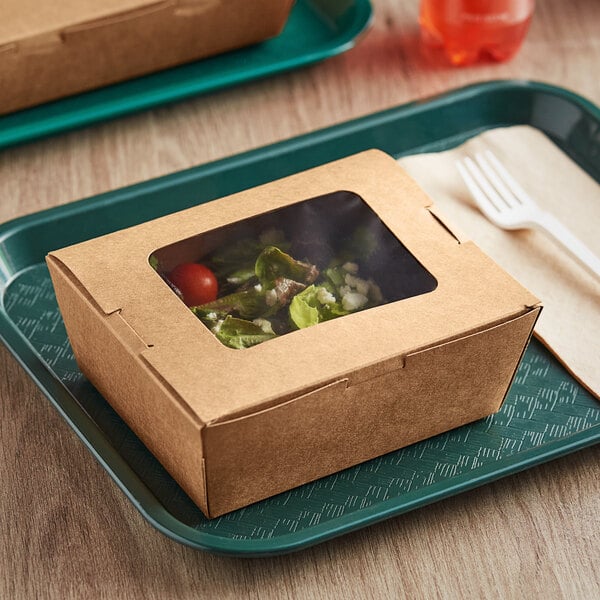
197 283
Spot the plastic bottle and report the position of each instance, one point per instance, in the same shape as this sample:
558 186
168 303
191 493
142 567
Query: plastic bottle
473 30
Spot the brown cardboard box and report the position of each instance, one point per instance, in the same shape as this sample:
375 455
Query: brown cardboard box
236 426
50 49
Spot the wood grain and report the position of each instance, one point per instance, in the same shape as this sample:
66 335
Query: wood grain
68 532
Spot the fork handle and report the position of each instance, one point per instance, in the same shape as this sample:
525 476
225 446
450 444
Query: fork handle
576 248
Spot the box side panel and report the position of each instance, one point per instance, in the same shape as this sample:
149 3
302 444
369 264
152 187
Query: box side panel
98 53
333 428
110 355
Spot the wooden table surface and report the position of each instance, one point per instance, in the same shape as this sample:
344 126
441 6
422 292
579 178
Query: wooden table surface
67 530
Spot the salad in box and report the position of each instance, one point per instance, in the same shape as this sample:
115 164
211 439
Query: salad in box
278 335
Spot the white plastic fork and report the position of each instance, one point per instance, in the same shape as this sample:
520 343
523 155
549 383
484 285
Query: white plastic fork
506 204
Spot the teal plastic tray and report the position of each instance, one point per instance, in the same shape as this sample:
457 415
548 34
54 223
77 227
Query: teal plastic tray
546 414
316 30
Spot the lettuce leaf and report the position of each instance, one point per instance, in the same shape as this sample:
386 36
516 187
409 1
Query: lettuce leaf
304 311
248 304
273 264
239 333
307 308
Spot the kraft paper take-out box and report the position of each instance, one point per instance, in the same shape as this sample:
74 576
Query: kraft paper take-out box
50 49
234 426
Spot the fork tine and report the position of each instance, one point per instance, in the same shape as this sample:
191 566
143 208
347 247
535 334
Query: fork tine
515 188
489 192
504 192
484 204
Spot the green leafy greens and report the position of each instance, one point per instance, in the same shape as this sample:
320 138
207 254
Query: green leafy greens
268 292
239 333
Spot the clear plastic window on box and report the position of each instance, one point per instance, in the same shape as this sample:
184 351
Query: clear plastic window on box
291 268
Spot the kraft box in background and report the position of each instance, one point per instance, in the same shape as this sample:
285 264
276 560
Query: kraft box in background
51 49
437 347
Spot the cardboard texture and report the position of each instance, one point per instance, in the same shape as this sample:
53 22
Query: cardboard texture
53 49
237 426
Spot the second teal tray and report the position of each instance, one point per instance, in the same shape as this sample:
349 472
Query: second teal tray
316 30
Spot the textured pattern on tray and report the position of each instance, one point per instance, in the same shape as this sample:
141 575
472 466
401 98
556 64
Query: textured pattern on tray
544 405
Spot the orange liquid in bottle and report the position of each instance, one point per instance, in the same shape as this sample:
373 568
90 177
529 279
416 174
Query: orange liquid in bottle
473 30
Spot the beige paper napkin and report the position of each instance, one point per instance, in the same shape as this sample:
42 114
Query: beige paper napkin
570 322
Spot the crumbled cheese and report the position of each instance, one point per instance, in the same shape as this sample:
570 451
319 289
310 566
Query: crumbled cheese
360 285
324 296
350 280
271 298
217 327
211 316
345 289
354 301
264 324
351 267
258 287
